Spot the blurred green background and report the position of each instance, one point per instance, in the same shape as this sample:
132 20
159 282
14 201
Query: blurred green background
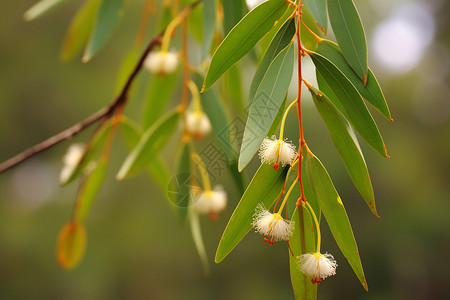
137 249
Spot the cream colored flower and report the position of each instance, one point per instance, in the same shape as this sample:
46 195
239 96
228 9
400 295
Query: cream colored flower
272 225
211 202
71 160
318 266
161 62
198 124
276 152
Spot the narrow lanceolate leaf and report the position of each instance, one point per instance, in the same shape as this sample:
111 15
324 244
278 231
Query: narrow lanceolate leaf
41 8
233 11
371 91
335 214
79 30
89 189
349 32
303 288
243 37
279 42
159 93
91 152
71 245
108 16
345 96
265 105
198 239
232 87
309 41
209 23
157 168
150 144
264 188
345 142
318 9
184 183
276 122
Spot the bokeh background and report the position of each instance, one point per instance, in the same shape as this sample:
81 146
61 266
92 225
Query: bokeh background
136 247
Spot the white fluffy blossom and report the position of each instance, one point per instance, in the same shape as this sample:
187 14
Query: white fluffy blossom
211 202
318 266
275 151
198 124
71 160
272 225
161 62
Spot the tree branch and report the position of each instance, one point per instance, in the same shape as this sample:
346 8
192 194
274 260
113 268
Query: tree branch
104 113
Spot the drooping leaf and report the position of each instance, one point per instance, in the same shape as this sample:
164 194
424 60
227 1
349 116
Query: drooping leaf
232 87
243 37
266 104
303 288
233 11
371 91
347 99
157 167
108 17
318 9
309 41
41 8
89 189
71 245
182 195
159 93
195 22
264 188
335 214
150 144
349 32
126 67
91 152
198 239
279 42
345 142
276 123
209 24
79 30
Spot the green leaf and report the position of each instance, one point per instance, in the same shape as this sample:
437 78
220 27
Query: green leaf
243 37
276 122
184 183
349 32
371 91
209 24
159 93
41 8
279 42
195 23
318 9
108 16
126 67
347 99
150 144
266 103
303 288
233 11
198 239
79 30
157 168
89 189
335 214
309 41
345 142
232 87
264 188
91 152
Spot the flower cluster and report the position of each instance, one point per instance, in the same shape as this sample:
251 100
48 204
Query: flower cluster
161 62
318 266
198 124
272 225
71 160
275 151
211 202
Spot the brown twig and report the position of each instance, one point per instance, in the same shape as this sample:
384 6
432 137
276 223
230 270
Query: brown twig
104 113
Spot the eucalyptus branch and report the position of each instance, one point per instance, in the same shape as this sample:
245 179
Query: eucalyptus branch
103 114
